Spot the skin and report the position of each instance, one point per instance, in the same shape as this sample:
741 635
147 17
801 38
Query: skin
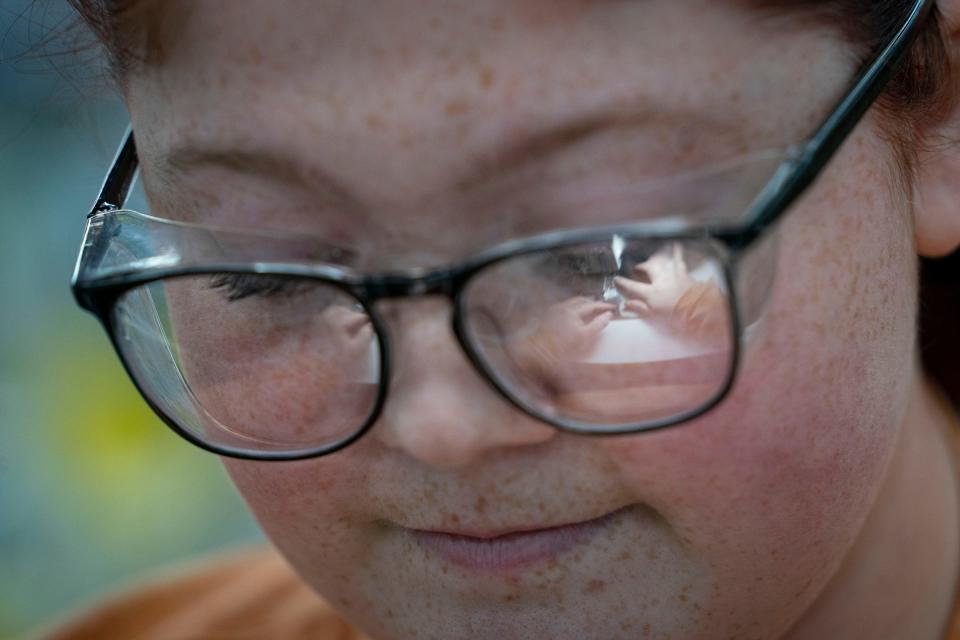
819 500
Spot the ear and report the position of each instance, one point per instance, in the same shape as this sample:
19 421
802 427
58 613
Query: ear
937 203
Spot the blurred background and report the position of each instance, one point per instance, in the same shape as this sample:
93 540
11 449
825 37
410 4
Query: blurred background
93 489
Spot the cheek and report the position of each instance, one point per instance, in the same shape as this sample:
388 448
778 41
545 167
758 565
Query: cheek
772 487
269 376
310 511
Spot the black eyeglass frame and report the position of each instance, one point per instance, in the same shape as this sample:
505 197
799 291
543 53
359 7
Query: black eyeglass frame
804 164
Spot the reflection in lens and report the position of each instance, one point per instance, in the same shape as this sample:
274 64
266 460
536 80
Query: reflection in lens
250 361
606 335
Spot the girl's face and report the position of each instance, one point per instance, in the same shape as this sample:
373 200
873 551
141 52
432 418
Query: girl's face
420 135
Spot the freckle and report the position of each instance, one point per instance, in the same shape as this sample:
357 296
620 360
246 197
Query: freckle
595 586
255 54
375 122
487 77
456 108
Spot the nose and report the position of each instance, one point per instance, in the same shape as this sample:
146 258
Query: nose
439 410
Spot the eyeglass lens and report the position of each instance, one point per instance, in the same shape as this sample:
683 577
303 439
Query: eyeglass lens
249 361
603 335
606 335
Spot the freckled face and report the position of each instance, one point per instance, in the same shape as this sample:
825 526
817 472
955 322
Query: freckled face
404 125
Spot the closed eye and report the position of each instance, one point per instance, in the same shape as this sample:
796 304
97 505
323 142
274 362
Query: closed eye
238 286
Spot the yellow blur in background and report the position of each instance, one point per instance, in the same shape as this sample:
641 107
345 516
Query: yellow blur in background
94 489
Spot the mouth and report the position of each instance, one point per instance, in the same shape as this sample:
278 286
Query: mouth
511 549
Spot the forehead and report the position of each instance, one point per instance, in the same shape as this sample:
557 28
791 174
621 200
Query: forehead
336 55
402 107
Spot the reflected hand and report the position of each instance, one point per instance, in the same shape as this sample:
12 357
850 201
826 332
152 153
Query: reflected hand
569 331
687 308
668 279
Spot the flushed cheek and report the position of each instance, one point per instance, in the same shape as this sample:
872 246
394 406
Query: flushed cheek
310 512
767 494
770 489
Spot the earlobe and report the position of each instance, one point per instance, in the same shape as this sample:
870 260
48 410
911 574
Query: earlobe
937 197
950 10
937 206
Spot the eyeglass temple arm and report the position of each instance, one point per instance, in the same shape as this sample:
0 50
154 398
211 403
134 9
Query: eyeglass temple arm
116 186
800 171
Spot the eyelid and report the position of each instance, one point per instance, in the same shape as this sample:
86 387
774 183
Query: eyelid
728 186
265 245
717 189
764 161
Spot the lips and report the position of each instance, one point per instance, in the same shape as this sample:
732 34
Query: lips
511 550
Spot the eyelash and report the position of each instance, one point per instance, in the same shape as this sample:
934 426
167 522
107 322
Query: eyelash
589 265
238 286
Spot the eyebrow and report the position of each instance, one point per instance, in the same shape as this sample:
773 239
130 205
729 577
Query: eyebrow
521 151
263 163
525 150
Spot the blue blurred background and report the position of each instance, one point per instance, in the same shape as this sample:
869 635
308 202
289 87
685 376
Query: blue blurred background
93 489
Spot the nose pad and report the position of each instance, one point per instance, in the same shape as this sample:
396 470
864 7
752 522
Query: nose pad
439 409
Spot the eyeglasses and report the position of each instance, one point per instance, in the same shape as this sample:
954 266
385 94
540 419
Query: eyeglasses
250 350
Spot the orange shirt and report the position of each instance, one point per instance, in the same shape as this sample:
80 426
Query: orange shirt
252 595
244 596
